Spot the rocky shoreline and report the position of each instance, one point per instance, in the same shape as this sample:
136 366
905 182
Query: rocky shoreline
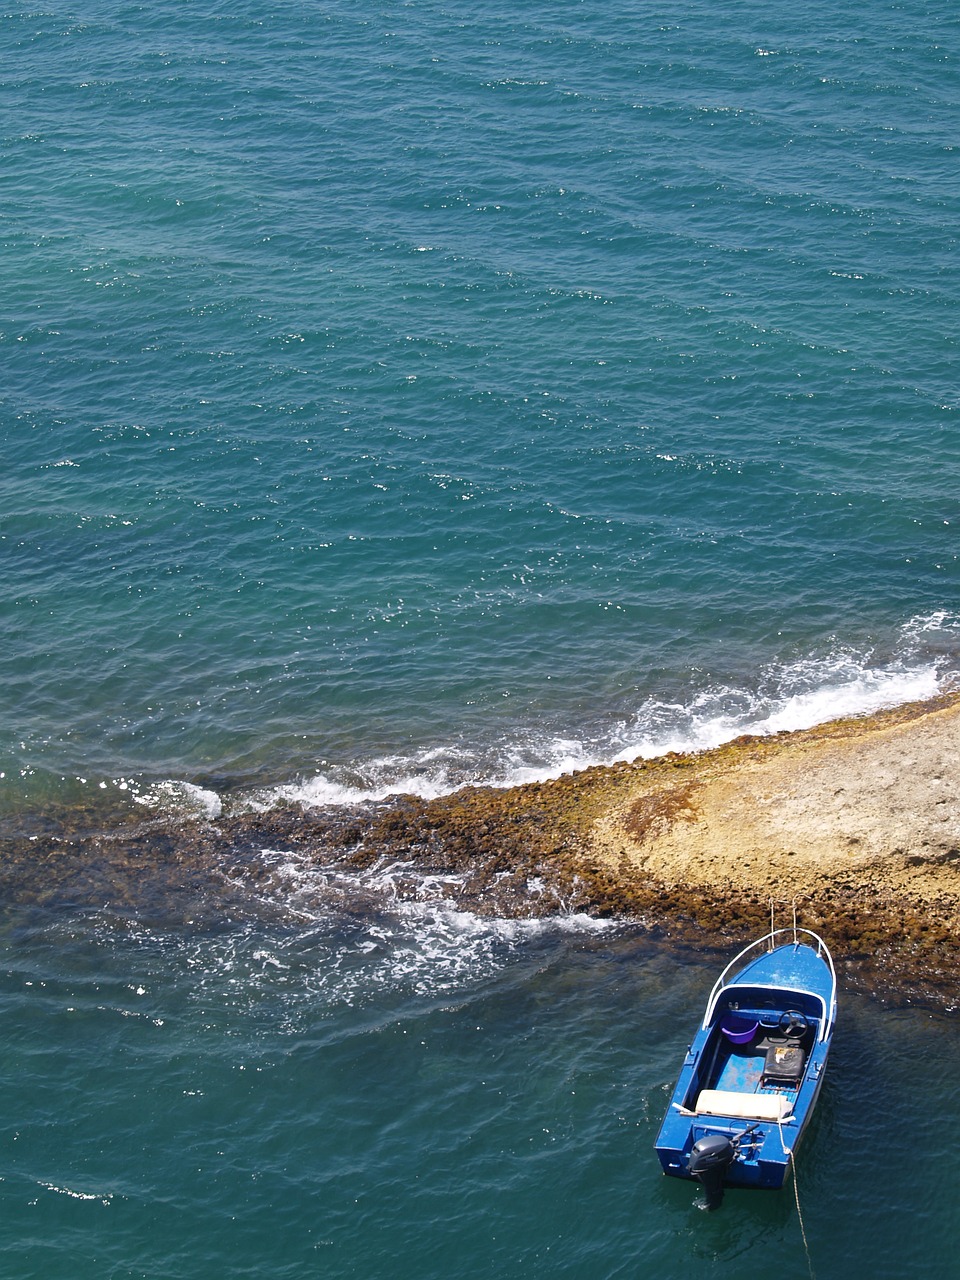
856 822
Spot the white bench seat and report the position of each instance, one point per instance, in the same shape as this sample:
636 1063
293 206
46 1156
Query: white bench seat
743 1106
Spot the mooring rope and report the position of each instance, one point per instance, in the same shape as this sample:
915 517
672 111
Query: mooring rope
803 1230
792 1167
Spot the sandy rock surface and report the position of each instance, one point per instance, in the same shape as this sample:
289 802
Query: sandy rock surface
857 822
874 801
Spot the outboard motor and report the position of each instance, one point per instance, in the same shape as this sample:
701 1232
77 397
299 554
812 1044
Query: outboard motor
709 1159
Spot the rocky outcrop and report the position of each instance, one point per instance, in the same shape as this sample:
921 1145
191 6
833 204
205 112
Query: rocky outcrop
856 823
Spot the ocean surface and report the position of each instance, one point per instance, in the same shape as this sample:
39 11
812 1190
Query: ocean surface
401 395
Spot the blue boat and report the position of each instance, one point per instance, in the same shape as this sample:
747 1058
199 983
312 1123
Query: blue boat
752 1075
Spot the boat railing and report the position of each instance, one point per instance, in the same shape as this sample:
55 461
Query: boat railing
769 941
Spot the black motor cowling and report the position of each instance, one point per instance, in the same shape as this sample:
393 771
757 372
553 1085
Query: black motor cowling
710 1158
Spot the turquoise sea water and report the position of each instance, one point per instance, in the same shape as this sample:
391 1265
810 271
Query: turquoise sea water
396 395
359 1102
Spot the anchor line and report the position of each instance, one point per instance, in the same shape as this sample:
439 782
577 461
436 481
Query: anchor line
792 1165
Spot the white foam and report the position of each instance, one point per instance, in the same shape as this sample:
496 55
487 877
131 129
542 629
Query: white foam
321 790
809 694
181 797
103 1197
860 694
356 936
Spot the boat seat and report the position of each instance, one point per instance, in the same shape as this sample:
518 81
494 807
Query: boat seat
743 1106
783 1063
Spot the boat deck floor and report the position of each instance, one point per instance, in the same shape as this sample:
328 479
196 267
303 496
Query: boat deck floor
742 1073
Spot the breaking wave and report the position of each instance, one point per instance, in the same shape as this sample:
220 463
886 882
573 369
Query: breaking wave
784 696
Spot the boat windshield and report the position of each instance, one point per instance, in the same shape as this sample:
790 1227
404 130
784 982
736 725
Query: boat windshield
760 999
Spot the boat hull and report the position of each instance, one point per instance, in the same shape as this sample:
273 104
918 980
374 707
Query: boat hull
755 1068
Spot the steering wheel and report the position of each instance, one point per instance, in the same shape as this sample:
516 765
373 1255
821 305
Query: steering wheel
792 1023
